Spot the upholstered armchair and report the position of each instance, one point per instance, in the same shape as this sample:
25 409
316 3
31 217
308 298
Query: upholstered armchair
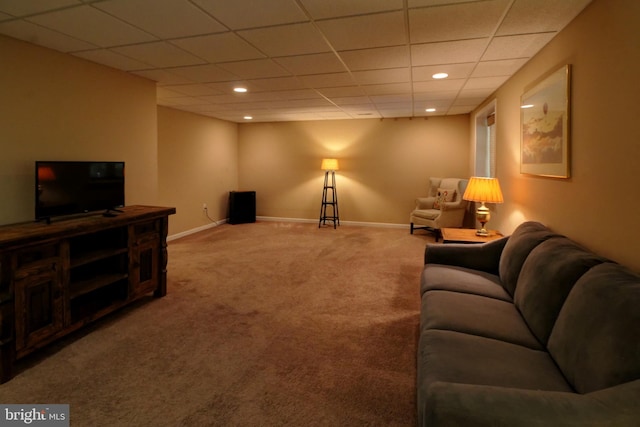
443 207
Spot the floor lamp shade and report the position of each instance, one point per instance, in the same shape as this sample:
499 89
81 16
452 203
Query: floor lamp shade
329 165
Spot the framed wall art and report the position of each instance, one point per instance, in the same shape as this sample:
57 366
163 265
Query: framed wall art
545 126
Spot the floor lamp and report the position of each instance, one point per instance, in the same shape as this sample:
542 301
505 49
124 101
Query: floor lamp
329 166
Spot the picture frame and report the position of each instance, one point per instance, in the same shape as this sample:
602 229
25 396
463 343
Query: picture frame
545 126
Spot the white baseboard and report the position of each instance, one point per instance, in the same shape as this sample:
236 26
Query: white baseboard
315 221
196 230
281 219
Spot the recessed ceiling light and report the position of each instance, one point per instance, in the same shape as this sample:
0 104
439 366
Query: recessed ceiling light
430 110
248 117
526 106
440 75
240 89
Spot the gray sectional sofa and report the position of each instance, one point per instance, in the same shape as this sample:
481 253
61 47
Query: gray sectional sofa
528 330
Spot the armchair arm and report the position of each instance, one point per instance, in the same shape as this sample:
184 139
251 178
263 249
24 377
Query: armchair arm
483 257
449 206
451 404
425 202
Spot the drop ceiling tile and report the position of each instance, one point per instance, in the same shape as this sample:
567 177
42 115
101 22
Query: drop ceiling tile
455 71
238 14
92 25
438 104
322 9
388 89
334 115
190 90
299 104
424 3
159 54
498 68
42 36
23 8
206 73
351 100
455 22
445 95
228 85
438 85
368 31
241 98
165 19
376 58
182 101
225 47
391 99
284 40
331 92
485 82
163 77
327 80
277 83
391 75
453 52
256 68
510 47
113 59
540 16
296 94
312 64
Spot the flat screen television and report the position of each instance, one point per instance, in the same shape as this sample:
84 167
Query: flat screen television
72 187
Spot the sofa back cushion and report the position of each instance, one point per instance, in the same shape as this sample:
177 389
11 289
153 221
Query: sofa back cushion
527 236
596 339
548 274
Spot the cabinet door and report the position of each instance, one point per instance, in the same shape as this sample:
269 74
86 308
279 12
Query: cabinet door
144 271
38 303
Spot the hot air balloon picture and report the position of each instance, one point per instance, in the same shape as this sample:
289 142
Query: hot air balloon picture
545 126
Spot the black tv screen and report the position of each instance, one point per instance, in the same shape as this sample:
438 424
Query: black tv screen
65 188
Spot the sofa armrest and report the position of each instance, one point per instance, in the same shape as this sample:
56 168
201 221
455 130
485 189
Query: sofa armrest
484 256
451 404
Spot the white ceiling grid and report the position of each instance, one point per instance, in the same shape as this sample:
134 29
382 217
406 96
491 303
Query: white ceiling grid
301 59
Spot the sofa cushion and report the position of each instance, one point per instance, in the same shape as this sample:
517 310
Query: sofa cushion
476 315
456 357
460 279
547 276
527 236
451 404
596 339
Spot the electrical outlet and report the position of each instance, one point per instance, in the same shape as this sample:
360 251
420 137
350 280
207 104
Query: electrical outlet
204 206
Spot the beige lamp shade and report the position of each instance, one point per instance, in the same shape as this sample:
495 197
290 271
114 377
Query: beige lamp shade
485 190
329 165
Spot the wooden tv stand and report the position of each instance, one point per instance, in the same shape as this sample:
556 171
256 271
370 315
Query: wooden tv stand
57 277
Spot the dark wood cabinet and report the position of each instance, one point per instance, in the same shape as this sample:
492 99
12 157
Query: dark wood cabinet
57 277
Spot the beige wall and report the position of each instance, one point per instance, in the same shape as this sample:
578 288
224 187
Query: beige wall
599 205
54 106
198 161
384 165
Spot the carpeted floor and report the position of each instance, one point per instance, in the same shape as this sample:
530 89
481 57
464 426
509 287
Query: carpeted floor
265 324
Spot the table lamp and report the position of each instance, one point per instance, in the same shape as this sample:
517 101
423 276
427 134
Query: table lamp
483 190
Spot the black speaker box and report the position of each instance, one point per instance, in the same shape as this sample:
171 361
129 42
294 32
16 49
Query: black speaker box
242 207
